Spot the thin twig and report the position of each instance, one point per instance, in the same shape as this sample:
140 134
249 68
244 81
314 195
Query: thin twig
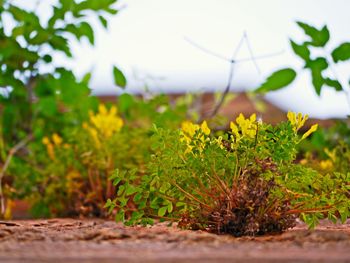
206 50
232 62
265 56
230 77
12 152
250 50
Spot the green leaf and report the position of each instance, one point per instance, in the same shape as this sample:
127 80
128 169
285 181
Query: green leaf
278 80
58 14
130 190
317 66
108 203
301 50
103 21
162 211
86 30
170 207
67 5
61 44
120 216
341 53
40 38
333 83
137 197
116 181
319 37
344 214
119 78
47 106
125 102
86 79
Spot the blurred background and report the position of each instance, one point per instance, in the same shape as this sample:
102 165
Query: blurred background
154 43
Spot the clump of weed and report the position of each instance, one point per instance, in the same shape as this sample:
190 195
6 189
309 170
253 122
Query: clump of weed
249 207
245 182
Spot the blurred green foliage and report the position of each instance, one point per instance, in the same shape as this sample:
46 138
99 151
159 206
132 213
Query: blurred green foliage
37 97
318 65
74 168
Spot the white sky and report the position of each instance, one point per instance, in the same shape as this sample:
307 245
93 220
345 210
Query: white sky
146 40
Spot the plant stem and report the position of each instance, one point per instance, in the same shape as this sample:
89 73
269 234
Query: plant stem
12 152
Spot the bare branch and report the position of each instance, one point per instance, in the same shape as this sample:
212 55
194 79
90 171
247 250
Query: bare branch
206 50
251 52
232 62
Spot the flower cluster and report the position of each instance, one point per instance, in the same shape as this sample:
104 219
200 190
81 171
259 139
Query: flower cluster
194 134
298 121
103 124
244 127
50 143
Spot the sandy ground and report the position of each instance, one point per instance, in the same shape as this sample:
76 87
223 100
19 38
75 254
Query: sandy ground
72 240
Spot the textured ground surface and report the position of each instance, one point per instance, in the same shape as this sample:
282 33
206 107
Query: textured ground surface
71 240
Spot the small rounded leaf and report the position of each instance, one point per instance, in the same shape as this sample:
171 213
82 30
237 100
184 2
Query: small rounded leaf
341 53
119 78
278 80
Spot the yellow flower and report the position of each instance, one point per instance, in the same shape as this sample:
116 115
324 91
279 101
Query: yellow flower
297 120
331 154
303 161
106 122
45 140
57 140
234 130
102 109
205 129
248 127
49 147
311 130
50 151
189 129
326 164
94 135
219 142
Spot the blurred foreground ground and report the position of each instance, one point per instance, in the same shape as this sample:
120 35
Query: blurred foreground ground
72 240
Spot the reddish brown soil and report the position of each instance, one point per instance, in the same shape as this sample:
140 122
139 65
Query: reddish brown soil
71 240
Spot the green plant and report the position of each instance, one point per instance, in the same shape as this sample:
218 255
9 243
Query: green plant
321 67
243 183
328 149
37 97
72 178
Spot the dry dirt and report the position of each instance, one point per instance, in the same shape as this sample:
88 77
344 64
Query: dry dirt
72 240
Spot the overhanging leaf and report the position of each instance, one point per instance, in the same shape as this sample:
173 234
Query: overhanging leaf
341 53
119 78
86 30
301 50
317 66
317 80
333 83
278 80
319 37
103 21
